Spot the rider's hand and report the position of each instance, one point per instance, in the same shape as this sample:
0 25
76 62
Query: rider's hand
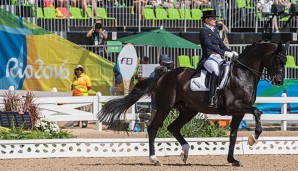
235 53
228 54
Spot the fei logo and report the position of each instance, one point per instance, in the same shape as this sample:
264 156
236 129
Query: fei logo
127 61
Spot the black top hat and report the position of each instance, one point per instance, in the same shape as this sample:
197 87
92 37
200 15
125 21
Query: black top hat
209 13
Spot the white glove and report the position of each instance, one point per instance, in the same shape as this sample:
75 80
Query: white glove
235 53
228 54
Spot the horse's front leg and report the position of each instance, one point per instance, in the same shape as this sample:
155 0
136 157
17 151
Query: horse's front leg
236 119
257 114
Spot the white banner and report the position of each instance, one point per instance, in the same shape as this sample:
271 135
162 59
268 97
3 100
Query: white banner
127 61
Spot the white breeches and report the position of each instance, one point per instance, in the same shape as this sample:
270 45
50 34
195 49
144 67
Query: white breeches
213 62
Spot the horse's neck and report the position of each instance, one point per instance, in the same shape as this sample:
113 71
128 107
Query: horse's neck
256 55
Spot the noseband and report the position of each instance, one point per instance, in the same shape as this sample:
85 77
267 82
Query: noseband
283 59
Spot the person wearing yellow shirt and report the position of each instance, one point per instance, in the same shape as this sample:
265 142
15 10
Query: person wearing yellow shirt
80 86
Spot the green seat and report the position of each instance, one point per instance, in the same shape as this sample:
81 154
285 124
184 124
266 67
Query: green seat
195 60
49 12
173 14
114 46
184 61
291 62
244 4
187 14
161 14
149 14
39 12
103 14
75 12
84 13
196 14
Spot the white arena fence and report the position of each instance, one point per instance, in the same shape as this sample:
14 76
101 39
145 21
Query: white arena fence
67 108
64 108
139 147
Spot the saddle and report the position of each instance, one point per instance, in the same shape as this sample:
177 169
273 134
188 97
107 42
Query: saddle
200 81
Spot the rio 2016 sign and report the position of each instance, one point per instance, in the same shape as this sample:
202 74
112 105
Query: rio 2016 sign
14 69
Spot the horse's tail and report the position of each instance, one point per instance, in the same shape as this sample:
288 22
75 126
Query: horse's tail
112 111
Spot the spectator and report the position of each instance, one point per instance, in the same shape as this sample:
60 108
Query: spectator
286 3
62 9
158 71
223 30
118 80
145 60
80 86
266 11
136 6
48 3
98 36
260 4
85 4
201 4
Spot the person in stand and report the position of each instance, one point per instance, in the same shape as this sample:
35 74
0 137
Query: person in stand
118 80
98 36
213 52
158 71
80 86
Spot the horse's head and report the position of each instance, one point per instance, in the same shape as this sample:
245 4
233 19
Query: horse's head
279 62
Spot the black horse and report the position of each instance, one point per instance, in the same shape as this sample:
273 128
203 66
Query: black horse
172 90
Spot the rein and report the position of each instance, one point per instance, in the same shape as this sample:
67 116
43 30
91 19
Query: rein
256 72
260 74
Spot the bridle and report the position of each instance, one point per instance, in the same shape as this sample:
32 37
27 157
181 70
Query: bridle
277 55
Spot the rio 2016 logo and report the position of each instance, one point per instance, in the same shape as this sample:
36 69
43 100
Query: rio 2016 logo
42 71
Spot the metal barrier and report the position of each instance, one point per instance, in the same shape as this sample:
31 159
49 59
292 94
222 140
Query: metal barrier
235 15
154 52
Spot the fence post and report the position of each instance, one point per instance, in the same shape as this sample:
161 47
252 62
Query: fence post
97 105
284 111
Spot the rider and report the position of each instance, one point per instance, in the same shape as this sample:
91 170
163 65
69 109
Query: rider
214 51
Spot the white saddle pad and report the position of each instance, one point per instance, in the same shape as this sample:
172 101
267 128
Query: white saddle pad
198 84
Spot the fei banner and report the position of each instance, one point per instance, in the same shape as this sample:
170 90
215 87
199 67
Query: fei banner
35 59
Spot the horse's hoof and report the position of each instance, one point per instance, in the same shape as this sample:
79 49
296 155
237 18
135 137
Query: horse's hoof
236 164
157 163
251 140
183 157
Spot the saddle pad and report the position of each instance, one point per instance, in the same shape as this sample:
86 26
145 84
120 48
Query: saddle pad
198 83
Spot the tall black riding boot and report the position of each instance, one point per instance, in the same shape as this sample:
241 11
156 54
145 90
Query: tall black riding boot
213 97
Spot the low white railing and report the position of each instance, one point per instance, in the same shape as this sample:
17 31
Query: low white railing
126 147
67 108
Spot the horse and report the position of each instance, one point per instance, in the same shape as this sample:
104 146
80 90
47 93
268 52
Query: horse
172 90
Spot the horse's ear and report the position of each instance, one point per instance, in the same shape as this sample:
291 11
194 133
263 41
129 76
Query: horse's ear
287 45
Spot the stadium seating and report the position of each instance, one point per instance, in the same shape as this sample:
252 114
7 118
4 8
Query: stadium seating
149 14
39 12
196 14
184 61
195 61
75 12
161 14
103 14
291 62
185 13
49 13
173 14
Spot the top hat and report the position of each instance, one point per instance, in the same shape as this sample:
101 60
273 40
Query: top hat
209 13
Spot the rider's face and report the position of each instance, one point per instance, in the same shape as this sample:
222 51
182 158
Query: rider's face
211 21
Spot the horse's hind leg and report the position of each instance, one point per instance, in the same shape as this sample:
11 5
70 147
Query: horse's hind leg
156 123
184 117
